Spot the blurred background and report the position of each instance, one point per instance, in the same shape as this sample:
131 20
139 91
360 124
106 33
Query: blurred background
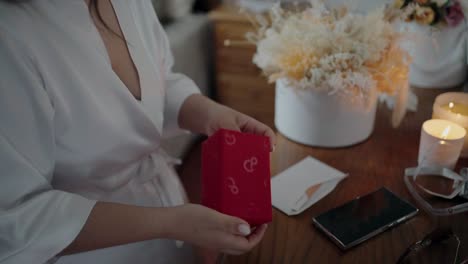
209 45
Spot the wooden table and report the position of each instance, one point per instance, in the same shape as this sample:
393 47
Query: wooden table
379 161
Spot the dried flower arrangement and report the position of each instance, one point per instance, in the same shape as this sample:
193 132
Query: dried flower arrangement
334 51
433 12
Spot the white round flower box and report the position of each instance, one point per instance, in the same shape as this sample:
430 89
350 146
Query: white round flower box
319 119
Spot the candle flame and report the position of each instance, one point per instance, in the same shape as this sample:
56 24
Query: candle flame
446 132
451 105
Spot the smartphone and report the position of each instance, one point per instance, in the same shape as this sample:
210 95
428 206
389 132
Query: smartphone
364 217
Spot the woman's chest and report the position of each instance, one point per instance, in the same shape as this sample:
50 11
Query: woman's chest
96 116
116 45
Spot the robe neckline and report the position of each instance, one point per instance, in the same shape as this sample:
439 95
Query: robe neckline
152 98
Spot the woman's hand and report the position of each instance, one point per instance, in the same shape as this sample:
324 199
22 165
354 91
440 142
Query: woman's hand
227 118
203 115
209 229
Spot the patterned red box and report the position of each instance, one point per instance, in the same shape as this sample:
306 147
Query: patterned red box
236 175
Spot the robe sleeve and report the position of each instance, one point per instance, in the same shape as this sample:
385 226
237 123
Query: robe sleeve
36 221
178 86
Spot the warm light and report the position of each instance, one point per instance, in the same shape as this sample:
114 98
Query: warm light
453 107
446 132
444 129
457 108
441 143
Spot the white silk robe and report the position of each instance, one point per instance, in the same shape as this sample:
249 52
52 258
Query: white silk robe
72 134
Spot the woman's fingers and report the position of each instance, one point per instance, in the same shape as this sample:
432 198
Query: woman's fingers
228 118
233 225
213 230
239 237
253 126
239 245
257 235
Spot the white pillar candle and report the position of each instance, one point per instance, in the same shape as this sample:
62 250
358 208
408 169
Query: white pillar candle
441 143
453 107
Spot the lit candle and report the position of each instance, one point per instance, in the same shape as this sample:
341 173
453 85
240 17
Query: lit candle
453 107
441 143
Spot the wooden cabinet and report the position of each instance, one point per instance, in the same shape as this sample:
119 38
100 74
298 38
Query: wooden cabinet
239 83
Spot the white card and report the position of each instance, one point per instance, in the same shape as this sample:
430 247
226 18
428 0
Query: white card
302 185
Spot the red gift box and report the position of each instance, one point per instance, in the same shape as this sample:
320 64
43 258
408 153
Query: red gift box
236 175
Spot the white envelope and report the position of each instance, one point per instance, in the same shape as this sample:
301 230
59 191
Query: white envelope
302 185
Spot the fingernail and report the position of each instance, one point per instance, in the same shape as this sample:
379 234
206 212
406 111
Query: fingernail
244 229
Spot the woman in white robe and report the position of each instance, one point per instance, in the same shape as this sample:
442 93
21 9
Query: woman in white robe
83 178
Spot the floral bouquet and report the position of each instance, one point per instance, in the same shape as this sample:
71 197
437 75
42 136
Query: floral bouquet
432 12
334 51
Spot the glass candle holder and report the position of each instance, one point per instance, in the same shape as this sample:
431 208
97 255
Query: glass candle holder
453 107
441 143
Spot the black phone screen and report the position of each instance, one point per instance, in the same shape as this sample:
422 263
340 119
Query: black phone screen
364 217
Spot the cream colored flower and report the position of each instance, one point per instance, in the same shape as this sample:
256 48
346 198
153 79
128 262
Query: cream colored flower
422 2
440 3
424 15
296 63
335 51
409 19
399 3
